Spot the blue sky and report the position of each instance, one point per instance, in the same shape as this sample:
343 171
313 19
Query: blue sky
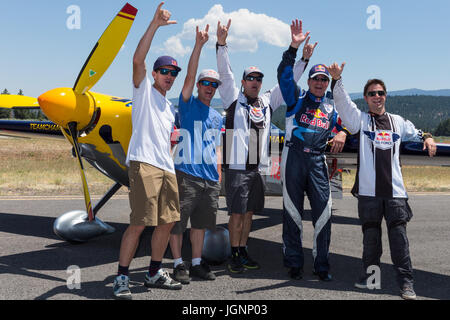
411 49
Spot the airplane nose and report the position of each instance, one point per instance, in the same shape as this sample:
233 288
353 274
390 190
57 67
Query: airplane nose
63 105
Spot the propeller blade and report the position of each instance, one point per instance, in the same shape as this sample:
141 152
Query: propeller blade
15 101
87 198
105 50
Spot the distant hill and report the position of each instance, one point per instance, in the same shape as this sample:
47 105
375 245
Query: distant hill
410 92
425 111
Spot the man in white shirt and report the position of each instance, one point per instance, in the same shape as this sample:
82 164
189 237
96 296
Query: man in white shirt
246 146
153 185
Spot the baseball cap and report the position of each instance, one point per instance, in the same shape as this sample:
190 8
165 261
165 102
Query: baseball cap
252 70
209 73
165 61
318 69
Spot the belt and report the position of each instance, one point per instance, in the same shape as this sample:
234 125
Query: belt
305 149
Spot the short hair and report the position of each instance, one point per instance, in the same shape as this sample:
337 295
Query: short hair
374 81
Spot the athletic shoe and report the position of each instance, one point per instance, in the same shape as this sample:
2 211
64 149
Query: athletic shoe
180 274
202 271
121 288
323 276
296 273
407 292
248 262
161 280
235 264
362 284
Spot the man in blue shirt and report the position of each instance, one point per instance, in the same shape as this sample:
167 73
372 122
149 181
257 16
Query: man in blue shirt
197 167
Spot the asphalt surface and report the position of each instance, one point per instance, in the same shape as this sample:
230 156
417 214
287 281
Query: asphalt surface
34 262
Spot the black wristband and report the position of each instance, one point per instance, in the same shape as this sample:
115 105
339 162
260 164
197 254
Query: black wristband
293 50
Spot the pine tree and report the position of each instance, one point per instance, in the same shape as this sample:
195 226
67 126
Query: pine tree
443 129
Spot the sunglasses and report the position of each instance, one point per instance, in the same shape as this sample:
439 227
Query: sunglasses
374 93
165 71
207 83
251 78
320 79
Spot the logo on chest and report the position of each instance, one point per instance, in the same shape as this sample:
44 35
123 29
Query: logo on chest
382 139
316 118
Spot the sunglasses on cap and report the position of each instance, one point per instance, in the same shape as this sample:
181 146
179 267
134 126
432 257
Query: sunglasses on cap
165 71
207 83
374 93
251 78
321 79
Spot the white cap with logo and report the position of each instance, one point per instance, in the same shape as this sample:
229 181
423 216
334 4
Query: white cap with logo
209 73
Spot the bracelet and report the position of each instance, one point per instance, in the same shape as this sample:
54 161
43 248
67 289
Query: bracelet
426 136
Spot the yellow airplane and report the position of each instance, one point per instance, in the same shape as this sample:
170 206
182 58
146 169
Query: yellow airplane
97 125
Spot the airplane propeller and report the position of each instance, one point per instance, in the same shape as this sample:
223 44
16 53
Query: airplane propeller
74 110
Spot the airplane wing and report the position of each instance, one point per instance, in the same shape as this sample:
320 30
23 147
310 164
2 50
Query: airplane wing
10 101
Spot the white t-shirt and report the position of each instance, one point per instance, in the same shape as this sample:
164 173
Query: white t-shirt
152 117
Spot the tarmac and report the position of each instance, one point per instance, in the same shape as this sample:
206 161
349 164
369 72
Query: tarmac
36 265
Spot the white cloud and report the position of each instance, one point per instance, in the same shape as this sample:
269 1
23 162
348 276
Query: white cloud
248 29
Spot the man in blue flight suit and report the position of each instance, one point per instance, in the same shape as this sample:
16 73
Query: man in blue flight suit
310 118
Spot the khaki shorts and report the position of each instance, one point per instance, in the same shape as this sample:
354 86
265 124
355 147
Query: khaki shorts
153 195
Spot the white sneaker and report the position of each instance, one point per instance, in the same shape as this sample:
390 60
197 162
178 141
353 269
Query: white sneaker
161 280
121 287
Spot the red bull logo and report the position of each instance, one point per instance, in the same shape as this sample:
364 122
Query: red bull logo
320 68
383 136
319 118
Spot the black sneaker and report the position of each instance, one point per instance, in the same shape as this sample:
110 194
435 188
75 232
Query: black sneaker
235 264
407 292
248 262
180 274
323 276
296 273
362 284
202 271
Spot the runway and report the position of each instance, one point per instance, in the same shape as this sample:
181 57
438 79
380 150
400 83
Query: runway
34 262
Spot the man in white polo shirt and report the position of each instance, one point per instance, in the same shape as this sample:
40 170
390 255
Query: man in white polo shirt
153 185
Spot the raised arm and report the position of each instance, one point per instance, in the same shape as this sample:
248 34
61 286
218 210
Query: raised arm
276 98
189 83
228 90
287 82
161 18
348 111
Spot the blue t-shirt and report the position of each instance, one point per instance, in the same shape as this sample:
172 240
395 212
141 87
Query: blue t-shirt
200 128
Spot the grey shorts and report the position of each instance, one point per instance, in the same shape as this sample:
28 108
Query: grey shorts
199 201
244 191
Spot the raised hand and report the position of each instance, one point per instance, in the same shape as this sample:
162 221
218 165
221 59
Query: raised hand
297 34
335 70
202 36
222 32
162 17
308 49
